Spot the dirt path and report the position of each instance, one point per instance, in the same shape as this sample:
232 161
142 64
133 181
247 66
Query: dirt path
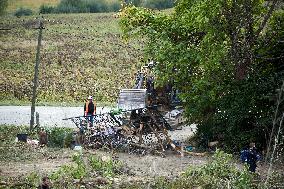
141 166
14 169
172 165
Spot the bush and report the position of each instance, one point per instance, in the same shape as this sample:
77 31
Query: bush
85 6
59 137
158 4
23 12
84 169
72 6
221 171
97 6
152 4
114 7
46 9
218 173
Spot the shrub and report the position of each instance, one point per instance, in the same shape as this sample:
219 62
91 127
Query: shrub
218 173
152 4
158 4
46 9
59 137
84 169
114 7
84 6
97 6
23 12
106 168
72 6
221 171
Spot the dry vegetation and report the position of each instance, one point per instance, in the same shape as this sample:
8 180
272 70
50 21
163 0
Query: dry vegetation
81 54
32 4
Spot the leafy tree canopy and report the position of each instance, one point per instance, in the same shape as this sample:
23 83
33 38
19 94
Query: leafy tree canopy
213 52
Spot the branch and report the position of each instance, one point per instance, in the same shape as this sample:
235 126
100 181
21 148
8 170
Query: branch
274 148
274 58
266 18
274 121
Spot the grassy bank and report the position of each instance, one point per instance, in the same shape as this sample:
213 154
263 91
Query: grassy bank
82 54
16 102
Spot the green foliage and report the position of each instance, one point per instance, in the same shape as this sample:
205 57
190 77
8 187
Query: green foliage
84 169
210 51
46 9
33 179
87 6
133 2
13 151
23 12
3 6
95 6
152 4
59 137
80 171
71 6
107 168
9 133
69 172
219 172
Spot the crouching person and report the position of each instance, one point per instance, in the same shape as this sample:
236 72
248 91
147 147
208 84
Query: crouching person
250 156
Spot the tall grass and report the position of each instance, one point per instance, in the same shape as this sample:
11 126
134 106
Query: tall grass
82 55
31 4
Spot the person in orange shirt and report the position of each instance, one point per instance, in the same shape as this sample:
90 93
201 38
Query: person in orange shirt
90 110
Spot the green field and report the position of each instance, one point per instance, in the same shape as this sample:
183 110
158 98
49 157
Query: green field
82 54
32 4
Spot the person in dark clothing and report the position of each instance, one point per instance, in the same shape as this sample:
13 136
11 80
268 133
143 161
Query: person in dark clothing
42 137
45 183
90 109
250 156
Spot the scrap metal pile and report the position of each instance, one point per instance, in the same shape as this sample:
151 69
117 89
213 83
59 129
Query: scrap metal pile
138 125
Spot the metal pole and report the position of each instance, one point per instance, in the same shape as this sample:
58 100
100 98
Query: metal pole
32 121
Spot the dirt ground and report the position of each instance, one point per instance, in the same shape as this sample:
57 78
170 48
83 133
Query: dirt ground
147 165
14 169
154 165
138 168
138 165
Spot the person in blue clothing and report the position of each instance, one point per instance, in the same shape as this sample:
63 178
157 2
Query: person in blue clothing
250 156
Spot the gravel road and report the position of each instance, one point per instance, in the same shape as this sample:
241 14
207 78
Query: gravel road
48 116
53 117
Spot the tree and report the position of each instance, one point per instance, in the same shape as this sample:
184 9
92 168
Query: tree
208 50
3 6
